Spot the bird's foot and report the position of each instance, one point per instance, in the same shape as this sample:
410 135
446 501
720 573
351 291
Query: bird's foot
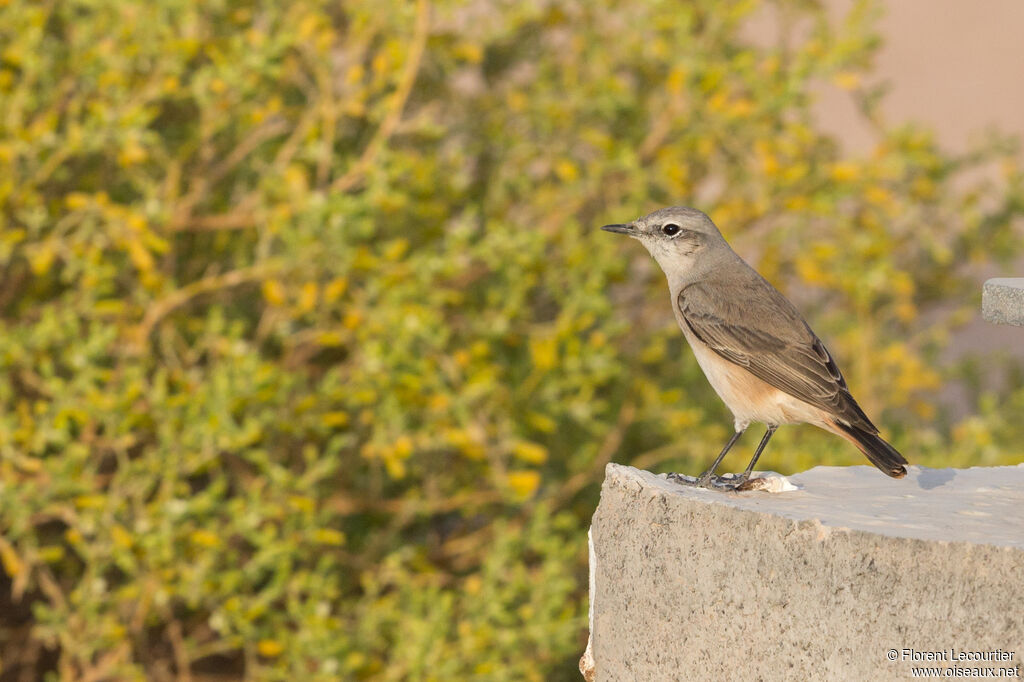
681 479
723 483
705 480
743 482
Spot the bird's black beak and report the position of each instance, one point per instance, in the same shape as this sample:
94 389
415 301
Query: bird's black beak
621 229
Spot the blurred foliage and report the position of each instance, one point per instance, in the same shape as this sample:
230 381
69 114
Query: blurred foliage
313 357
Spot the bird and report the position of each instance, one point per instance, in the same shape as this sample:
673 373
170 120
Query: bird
757 352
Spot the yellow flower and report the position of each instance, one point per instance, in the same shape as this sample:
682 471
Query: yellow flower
269 648
307 297
847 80
395 468
335 289
131 154
352 319
544 352
878 195
403 446
797 203
141 258
718 102
474 583
470 52
396 249
541 422
205 538
334 419
329 536
740 108
676 80
524 482
302 503
76 200
41 258
273 292
120 536
516 100
811 272
12 563
531 453
844 171
566 170
90 501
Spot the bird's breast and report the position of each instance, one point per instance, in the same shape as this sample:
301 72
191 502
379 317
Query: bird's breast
748 397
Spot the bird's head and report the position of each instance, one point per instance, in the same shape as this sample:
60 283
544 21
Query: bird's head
681 239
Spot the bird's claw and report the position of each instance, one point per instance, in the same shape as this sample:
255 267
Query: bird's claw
752 484
723 483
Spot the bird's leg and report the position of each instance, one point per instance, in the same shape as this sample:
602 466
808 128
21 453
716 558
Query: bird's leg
706 479
742 478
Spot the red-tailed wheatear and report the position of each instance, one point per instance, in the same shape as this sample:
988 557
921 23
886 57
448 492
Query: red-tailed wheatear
754 347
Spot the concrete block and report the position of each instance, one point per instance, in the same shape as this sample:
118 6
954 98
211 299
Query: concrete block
832 581
1002 300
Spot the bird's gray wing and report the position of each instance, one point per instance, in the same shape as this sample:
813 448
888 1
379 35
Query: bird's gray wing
747 321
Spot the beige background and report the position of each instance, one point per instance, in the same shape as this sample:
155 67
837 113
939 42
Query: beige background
955 65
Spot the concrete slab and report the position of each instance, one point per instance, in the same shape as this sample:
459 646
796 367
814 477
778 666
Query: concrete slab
823 582
1002 300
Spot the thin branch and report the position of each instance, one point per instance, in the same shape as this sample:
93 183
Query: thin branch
329 124
258 136
205 181
401 95
48 585
101 669
238 219
181 660
184 295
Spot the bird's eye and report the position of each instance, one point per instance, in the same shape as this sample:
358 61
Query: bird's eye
670 229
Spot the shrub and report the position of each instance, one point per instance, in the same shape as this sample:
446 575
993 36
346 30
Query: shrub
314 357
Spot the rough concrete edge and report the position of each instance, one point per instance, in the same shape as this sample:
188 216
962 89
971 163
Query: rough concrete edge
649 479
587 659
622 473
618 474
1002 301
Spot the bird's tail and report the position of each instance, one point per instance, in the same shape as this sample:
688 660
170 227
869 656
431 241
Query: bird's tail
881 454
